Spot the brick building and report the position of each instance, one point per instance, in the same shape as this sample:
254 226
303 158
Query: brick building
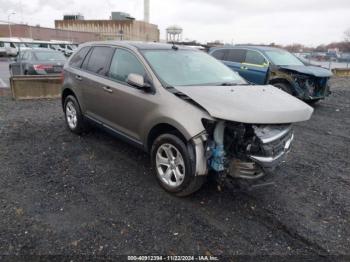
47 34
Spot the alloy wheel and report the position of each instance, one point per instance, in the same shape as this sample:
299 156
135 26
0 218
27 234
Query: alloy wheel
170 165
71 115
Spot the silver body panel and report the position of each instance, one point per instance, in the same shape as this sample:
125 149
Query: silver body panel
134 113
249 104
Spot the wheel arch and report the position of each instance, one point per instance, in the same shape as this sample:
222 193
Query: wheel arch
66 92
284 81
280 80
160 129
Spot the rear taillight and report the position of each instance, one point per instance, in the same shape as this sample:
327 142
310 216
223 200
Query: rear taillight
42 67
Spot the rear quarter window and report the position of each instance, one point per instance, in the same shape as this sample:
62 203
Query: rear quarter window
78 58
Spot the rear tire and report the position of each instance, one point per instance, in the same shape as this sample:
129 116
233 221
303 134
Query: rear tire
73 116
173 166
284 87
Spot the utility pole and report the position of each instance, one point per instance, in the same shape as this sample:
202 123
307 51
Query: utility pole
8 19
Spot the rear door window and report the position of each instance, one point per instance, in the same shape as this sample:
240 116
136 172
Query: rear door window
123 64
25 56
254 57
219 54
99 60
236 55
78 58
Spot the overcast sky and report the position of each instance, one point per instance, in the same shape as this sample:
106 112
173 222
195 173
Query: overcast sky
310 22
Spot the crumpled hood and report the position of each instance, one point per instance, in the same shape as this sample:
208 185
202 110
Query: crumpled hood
249 104
309 70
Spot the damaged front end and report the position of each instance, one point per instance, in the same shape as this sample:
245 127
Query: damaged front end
246 151
309 87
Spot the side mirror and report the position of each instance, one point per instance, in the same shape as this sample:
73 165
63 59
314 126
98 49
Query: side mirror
138 81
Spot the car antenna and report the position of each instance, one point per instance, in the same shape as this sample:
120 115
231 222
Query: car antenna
174 46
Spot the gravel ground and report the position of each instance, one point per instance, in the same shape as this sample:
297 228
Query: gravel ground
61 194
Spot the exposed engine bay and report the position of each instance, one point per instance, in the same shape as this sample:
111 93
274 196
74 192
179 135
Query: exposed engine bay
244 150
313 87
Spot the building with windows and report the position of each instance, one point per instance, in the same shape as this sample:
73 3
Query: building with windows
121 26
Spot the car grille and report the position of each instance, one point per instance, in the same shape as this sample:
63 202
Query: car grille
273 139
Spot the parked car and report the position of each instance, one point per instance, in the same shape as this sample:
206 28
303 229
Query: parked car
66 49
22 46
38 62
345 57
189 111
267 65
2 49
9 47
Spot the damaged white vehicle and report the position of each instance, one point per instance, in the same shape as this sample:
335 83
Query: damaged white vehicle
189 111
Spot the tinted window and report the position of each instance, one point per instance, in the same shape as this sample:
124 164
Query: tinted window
21 56
236 55
49 56
26 56
99 60
123 64
2 44
78 58
253 57
219 54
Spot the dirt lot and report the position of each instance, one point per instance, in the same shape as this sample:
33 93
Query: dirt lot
94 195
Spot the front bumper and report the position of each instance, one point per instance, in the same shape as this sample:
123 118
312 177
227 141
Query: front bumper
270 162
269 151
311 89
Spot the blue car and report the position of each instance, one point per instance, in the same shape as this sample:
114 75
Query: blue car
268 65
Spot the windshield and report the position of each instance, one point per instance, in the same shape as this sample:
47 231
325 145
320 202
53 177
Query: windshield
187 67
49 56
283 58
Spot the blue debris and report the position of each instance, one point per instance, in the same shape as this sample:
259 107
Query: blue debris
217 160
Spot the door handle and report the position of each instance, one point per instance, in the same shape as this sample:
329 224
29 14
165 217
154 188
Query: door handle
107 89
78 78
244 67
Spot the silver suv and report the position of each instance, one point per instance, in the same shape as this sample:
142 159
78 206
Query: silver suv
189 111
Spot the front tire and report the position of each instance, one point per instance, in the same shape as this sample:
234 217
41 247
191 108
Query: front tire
173 166
313 102
74 117
284 87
